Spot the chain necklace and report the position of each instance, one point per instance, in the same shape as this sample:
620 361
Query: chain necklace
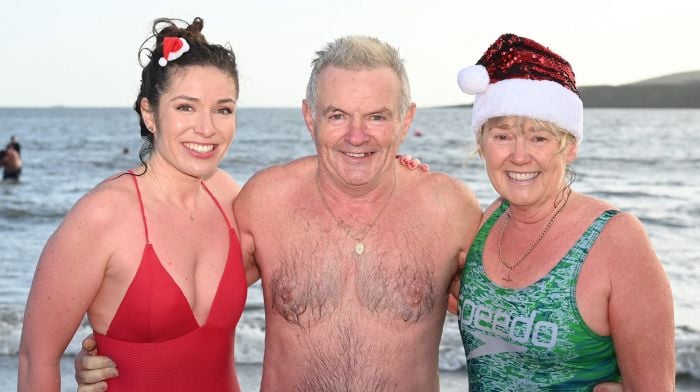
511 267
189 214
348 229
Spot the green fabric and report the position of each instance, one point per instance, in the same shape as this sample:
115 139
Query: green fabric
533 338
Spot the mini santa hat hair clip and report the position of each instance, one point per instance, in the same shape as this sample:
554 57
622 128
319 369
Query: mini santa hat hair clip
519 77
173 47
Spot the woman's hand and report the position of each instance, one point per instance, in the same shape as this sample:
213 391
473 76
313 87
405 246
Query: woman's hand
412 163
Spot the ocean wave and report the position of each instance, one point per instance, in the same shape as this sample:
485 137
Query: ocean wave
250 343
11 213
600 160
667 222
688 352
626 194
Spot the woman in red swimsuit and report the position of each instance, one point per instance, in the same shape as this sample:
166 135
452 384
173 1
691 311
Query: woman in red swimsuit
156 256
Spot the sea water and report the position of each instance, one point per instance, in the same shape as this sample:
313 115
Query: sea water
643 161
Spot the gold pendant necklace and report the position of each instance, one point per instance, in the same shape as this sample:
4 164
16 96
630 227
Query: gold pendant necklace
511 267
348 229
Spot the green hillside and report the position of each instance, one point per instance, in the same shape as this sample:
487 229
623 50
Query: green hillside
681 90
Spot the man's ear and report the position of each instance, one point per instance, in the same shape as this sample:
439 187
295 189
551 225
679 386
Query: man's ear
308 117
407 121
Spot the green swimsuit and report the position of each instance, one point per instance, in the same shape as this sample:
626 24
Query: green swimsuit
533 338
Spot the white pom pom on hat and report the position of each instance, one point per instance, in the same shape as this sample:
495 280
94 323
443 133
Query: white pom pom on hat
473 79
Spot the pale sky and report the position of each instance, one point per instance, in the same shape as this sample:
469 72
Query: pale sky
84 52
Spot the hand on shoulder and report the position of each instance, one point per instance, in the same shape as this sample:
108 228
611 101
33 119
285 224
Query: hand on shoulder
412 163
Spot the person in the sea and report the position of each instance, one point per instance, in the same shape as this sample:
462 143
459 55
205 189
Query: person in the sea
14 143
11 163
154 248
560 290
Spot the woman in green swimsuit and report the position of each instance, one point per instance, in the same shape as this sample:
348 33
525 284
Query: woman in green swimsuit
560 291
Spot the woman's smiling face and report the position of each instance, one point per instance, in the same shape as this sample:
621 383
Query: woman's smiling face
524 161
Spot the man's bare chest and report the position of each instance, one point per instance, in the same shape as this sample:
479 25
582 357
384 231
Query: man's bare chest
314 272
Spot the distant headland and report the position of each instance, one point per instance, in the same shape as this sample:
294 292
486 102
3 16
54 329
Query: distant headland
680 90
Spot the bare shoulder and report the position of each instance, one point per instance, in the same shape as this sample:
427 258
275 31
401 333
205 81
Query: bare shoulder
223 186
443 190
104 203
444 199
278 177
624 242
99 216
625 235
623 226
274 184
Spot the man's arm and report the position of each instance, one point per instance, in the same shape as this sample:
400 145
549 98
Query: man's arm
244 210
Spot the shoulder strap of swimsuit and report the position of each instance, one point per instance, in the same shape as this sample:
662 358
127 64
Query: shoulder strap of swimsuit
593 231
143 213
477 247
486 228
217 204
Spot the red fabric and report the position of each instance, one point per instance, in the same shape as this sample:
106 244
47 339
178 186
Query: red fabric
155 339
171 44
514 57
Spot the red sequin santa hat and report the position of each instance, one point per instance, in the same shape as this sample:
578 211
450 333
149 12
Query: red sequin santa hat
519 77
173 47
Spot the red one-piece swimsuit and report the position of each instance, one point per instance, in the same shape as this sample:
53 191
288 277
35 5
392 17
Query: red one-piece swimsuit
155 339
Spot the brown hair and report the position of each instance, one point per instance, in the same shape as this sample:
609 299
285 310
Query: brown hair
155 79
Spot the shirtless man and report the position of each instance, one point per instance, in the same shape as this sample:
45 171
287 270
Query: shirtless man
356 254
11 164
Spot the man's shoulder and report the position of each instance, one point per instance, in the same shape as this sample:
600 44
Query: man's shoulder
445 196
278 180
282 174
437 185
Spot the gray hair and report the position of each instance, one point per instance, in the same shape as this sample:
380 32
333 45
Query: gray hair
354 53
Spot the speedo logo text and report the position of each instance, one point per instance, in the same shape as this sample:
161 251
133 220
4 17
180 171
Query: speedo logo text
503 331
